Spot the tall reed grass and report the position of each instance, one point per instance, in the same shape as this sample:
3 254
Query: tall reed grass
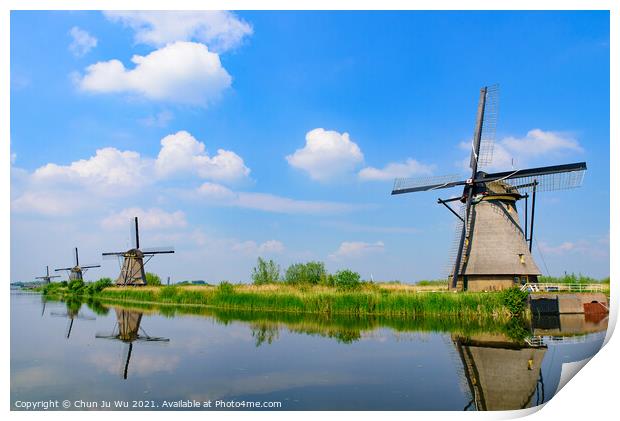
323 300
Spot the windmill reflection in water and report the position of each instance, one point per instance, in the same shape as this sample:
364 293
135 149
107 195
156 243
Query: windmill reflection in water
72 313
127 329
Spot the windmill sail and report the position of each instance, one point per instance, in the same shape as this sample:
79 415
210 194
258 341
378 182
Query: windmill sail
489 124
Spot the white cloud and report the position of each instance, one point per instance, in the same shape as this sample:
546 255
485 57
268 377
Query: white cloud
160 119
220 195
82 42
183 72
181 152
153 218
64 189
13 158
251 247
220 30
109 170
327 154
355 249
393 170
513 152
48 202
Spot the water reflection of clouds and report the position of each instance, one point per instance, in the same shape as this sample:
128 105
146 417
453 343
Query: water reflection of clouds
142 364
275 382
40 376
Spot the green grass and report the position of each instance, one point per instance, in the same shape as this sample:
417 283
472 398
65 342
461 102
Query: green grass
371 300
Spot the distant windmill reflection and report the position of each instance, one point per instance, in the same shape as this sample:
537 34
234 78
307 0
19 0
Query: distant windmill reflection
72 313
501 374
127 329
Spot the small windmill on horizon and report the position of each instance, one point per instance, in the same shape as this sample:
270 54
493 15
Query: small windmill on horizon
76 272
492 249
47 278
134 259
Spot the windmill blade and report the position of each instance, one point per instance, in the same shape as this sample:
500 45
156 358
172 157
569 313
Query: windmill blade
76 259
158 250
90 266
61 269
489 124
555 177
411 185
134 234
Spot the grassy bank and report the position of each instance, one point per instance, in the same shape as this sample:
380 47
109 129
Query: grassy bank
388 300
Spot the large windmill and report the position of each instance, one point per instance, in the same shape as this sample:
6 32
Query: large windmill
127 330
492 250
77 271
47 278
134 259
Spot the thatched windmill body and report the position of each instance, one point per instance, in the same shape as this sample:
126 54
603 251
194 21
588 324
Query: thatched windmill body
492 250
134 259
47 278
76 272
127 330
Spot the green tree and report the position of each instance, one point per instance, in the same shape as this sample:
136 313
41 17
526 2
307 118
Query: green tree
265 272
302 273
152 279
347 280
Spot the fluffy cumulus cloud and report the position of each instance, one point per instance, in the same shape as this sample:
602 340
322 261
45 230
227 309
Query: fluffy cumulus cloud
356 249
181 72
409 168
220 30
55 189
181 152
513 151
216 194
82 42
326 155
153 218
107 170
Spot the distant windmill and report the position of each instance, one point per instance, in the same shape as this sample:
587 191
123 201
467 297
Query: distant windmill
491 249
77 271
127 330
47 278
132 271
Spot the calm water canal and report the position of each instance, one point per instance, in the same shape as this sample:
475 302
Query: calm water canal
93 353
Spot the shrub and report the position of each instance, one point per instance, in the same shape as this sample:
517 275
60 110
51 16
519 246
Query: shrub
265 272
305 273
514 300
347 280
76 285
152 279
99 286
225 287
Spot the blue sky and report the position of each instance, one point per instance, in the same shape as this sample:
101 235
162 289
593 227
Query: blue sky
278 134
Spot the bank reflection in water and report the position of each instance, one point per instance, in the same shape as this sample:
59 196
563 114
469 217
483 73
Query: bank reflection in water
128 330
